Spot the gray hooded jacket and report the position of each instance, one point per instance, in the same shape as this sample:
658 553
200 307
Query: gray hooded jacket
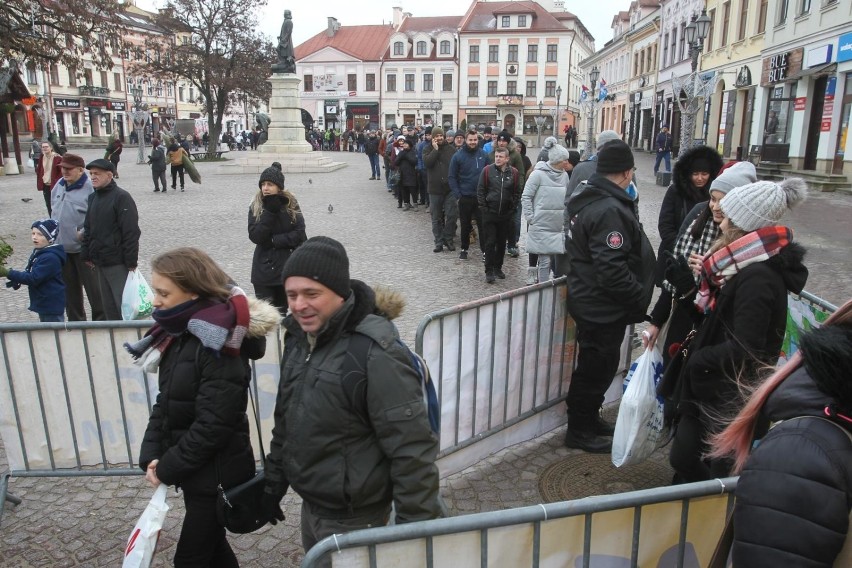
543 203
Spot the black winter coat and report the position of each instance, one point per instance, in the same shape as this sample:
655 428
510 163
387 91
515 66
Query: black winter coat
406 164
611 261
795 491
498 191
111 228
371 145
437 164
199 420
680 198
275 236
743 332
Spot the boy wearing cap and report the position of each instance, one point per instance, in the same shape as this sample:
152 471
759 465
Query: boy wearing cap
110 235
43 273
348 468
610 283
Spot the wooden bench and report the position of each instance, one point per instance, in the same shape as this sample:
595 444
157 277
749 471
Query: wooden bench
207 155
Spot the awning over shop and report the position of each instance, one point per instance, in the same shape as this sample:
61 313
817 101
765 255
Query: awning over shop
818 71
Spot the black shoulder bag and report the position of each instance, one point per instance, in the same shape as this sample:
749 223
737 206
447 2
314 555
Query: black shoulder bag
239 509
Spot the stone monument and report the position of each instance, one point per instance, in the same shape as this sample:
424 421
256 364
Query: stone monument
285 134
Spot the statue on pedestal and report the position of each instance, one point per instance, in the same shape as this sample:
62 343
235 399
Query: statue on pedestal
286 54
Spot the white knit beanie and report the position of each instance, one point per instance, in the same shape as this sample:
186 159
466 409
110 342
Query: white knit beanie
741 173
606 136
763 203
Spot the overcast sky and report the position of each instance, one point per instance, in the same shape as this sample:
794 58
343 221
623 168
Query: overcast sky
311 18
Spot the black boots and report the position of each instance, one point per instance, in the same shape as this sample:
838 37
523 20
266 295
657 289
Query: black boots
588 442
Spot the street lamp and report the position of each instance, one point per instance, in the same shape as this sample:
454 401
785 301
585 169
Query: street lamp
140 119
692 88
539 121
594 75
556 121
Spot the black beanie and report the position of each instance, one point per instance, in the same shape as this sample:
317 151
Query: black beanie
487 130
573 157
615 157
272 174
322 259
700 165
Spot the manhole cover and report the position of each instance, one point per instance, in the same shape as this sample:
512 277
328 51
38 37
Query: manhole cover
585 475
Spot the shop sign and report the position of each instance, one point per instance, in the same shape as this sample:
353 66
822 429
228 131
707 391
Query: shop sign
844 49
66 103
481 111
743 77
97 103
777 68
800 103
828 106
323 94
117 105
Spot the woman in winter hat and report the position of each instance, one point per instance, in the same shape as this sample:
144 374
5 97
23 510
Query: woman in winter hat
696 234
741 303
549 143
276 226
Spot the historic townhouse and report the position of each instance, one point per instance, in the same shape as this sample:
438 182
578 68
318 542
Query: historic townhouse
341 71
420 71
642 39
515 59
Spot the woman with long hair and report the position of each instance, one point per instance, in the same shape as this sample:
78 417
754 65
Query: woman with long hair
742 297
198 434
276 226
697 233
795 487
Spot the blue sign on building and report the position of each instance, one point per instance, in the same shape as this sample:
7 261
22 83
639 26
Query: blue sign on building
844 48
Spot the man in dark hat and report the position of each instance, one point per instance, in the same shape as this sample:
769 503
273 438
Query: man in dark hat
486 137
610 282
348 466
70 202
110 235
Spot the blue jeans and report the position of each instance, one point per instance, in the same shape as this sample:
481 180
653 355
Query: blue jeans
667 156
51 317
374 166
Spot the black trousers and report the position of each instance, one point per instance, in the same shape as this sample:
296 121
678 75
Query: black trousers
315 527
46 195
78 276
493 231
275 295
404 195
468 211
202 541
175 171
597 360
689 446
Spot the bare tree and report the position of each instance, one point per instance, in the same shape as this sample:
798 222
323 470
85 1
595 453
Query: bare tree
218 49
48 32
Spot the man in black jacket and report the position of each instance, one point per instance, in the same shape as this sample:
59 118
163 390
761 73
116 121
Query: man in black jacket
610 283
497 194
110 235
444 205
371 148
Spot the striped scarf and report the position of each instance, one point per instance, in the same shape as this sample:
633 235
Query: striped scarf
726 262
221 327
686 245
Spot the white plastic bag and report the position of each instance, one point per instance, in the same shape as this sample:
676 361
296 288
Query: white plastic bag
640 416
137 300
142 543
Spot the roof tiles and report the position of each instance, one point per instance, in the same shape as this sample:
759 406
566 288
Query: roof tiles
366 43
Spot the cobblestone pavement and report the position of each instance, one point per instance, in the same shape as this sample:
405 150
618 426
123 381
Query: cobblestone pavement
85 521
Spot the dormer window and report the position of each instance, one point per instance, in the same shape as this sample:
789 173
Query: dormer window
421 48
445 48
522 21
506 21
398 48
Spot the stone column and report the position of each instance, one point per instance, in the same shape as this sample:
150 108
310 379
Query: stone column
286 132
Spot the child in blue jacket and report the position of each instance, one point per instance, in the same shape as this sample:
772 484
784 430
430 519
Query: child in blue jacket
43 273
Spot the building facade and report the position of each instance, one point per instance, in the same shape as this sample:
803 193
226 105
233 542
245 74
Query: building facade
642 40
514 59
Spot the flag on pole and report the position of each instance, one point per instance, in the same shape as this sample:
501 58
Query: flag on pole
585 94
603 93
603 82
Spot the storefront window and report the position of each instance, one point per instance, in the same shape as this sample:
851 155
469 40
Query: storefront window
776 128
75 123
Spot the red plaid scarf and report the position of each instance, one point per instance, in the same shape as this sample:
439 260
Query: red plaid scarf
726 262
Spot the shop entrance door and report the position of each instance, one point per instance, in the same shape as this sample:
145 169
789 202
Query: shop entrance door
843 130
815 123
509 123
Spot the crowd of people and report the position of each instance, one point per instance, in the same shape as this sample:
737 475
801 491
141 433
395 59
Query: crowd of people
724 269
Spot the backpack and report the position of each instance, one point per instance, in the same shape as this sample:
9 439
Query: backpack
514 175
355 379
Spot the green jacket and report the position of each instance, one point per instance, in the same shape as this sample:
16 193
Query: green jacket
325 451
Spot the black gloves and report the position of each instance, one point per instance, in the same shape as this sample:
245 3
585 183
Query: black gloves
273 203
679 274
271 508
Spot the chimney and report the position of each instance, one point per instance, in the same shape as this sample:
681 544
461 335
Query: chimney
333 26
397 16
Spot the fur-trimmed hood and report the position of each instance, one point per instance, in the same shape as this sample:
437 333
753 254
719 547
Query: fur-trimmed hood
790 264
683 168
263 317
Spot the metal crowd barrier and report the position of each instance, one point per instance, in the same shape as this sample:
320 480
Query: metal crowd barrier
666 526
